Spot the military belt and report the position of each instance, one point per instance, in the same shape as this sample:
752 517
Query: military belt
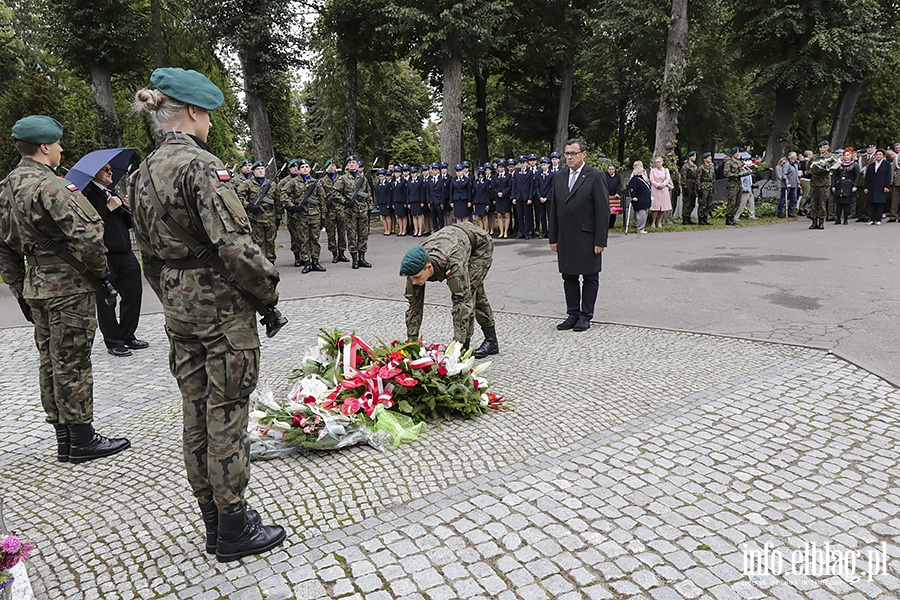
190 262
43 260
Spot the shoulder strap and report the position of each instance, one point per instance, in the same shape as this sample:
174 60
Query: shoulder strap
197 248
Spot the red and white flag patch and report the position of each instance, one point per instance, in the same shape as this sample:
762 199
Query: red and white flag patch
223 174
71 187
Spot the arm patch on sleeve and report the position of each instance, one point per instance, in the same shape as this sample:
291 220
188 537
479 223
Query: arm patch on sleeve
223 175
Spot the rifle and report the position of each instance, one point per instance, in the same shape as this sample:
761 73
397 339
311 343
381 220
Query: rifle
353 201
301 206
255 207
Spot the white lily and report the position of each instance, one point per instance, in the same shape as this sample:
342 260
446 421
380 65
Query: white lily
482 367
267 399
313 385
484 399
281 425
256 415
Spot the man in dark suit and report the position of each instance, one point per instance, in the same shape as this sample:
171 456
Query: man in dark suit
877 186
124 270
579 224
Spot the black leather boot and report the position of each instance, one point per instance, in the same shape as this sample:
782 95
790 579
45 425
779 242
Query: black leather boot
297 261
239 536
334 257
466 344
62 442
342 257
821 223
355 256
363 262
211 521
815 224
687 221
307 267
317 266
86 444
489 345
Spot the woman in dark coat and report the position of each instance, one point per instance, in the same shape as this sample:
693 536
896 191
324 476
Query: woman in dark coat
383 201
639 189
481 193
460 196
843 186
399 198
877 186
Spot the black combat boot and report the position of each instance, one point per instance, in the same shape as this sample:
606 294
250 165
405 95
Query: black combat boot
489 345
297 261
687 221
239 536
355 256
815 224
363 262
342 257
466 344
307 267
334 256
211 521
86 444
62 442
821 223
317 266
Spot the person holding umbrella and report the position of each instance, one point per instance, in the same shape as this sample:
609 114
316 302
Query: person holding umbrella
38 209
124 270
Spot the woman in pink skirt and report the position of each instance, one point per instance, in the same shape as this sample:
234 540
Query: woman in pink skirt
660 196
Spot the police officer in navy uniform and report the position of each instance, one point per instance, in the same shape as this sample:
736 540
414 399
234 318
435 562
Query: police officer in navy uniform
523 198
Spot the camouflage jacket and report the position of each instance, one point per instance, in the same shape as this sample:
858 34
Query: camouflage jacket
453 256
707 177
343 190
61 213
690 174
820 170
272 206
732 171
195 189
326 192
296 190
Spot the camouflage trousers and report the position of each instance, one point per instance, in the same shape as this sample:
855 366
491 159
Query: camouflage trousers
733 198
690 201
818 199
216 367
64 334
484 316
336 228
305 230
263 235
358 229
704 201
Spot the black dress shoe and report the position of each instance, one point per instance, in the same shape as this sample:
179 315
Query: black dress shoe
582 325
119 351
137 344
569 323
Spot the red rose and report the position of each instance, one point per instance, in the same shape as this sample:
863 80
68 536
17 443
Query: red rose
442 370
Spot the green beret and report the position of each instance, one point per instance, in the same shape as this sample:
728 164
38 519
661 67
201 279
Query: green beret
37 129
413 261
733 151
189 87
294 163
691 153
246 161
351 157
705 154
328 163
824 143
302 162
258 163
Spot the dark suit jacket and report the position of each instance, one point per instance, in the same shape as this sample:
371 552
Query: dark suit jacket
115 224
579 220
877 181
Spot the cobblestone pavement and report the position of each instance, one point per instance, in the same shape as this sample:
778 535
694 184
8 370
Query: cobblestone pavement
637 463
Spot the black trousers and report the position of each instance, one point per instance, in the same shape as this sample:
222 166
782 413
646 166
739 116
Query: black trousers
437 216
540 216
525 214
580 298
876 209
125 275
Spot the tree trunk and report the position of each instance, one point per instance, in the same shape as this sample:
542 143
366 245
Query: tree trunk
780 138
159 54
481 128
673 77
620 129
352 97
257 115
110 129
452 118
565 104
846 105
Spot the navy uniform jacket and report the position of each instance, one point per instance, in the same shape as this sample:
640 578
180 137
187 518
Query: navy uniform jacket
482 191
523 185
460 190
383 193
436 190
414 191
544 186
503 184
400 193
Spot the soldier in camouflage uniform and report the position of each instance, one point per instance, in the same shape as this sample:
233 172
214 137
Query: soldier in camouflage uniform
820 184
36 205
706 182
690 181
245 174
732 172
335 216
214 353
357 210
461 254
304 217
292 222
263 217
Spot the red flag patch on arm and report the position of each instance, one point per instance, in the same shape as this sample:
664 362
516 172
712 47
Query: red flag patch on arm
71 187
223 175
